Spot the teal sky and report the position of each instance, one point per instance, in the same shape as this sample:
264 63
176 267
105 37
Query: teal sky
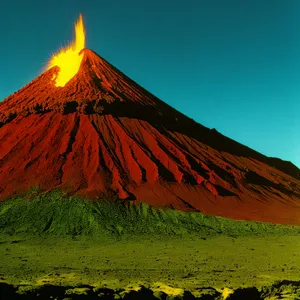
231 65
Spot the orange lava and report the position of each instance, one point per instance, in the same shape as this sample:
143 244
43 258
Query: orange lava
68 59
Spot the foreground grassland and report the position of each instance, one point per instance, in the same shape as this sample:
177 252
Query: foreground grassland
186 263
49 239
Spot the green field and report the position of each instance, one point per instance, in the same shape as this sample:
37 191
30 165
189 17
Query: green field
66 241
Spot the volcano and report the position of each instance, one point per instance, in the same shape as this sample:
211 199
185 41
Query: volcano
101 134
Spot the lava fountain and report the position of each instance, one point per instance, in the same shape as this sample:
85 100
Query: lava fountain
67 58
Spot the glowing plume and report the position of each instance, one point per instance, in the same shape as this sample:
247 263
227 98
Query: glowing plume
67 58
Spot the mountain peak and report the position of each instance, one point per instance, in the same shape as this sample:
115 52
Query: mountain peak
95 84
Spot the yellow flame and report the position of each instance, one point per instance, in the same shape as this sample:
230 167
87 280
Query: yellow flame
68 59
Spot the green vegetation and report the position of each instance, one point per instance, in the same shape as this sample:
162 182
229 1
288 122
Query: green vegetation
170 263
53 239
53 213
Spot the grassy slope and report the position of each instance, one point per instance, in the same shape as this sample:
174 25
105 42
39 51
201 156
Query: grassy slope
48 238
52 214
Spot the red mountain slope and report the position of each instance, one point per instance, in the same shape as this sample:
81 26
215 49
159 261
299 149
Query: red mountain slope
102 133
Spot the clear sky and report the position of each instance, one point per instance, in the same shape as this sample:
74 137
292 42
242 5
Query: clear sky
232 65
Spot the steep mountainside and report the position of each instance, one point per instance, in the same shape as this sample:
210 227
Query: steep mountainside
103 134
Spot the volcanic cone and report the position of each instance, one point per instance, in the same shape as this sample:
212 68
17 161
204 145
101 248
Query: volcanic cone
102 134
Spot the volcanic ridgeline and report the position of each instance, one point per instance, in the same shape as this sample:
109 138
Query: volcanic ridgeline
103 134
